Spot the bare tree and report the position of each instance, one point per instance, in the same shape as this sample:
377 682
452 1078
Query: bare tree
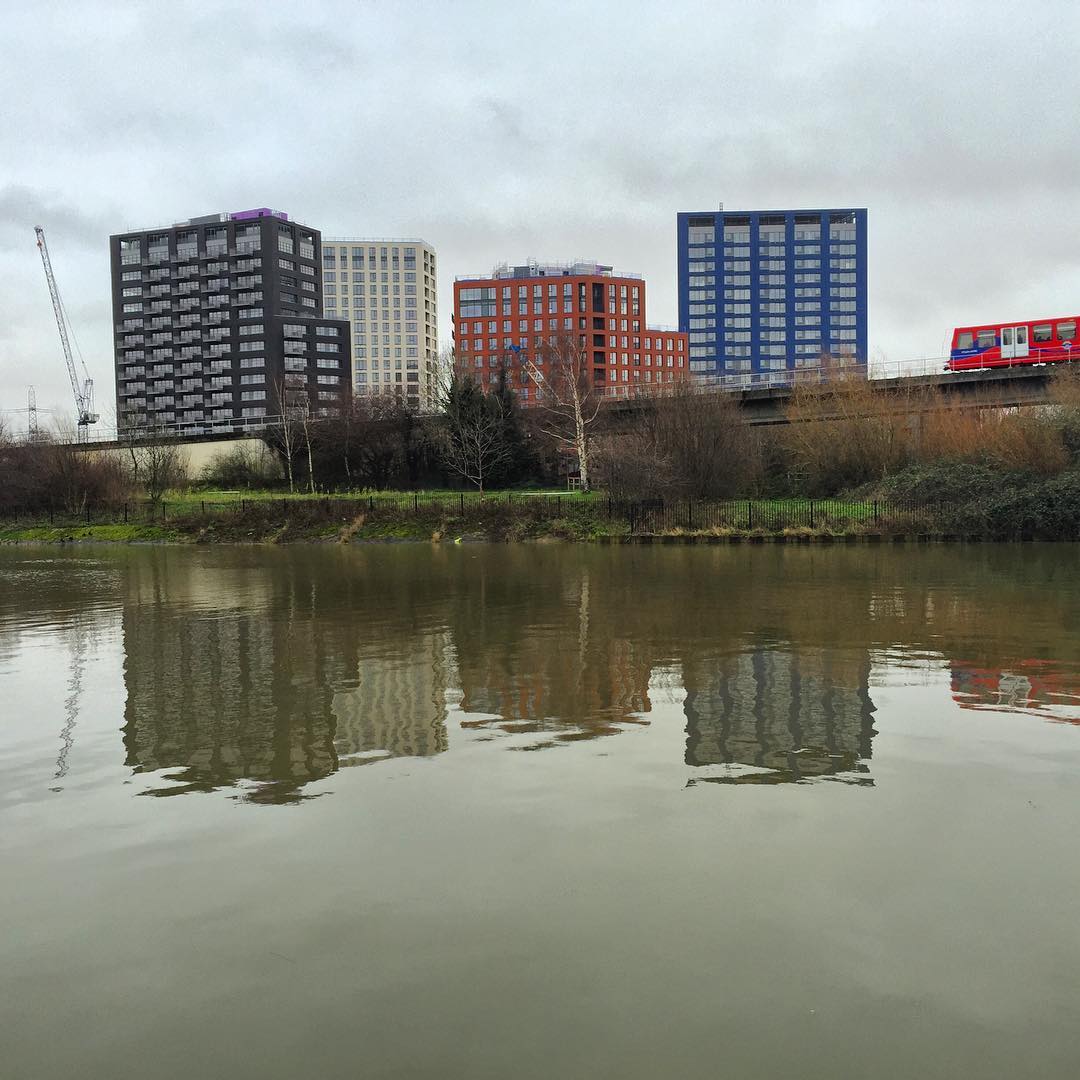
713 451
561 372
290 392
474 442
305 429
129 422
164 467
158 460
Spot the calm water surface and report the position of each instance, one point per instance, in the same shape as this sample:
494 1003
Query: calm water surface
540 811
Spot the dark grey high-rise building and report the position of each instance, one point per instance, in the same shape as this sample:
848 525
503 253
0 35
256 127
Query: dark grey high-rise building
219 319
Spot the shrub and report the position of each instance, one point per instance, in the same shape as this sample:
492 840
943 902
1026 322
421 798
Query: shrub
242 466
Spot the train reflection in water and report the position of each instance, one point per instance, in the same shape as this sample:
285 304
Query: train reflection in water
1030 686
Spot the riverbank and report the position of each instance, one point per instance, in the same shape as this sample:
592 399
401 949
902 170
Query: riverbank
506 520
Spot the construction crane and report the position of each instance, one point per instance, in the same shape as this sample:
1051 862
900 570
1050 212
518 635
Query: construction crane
84 393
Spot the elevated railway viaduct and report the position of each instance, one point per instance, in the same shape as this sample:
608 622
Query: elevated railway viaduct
995 388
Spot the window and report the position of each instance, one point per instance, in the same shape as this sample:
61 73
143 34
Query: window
987 339
1067 330
1042 332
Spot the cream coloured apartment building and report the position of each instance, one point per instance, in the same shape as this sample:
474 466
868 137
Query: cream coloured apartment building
387 289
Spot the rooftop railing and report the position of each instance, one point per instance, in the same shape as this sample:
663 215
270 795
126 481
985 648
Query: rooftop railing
374 240
528 270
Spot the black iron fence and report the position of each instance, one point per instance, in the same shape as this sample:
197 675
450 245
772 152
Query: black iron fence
774 516
633 516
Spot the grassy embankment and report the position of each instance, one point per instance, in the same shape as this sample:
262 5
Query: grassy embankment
267 517
270 518
116 534
958 500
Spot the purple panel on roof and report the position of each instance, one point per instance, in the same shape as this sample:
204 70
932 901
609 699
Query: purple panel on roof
262 211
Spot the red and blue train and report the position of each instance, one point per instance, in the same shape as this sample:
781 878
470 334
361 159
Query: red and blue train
1042 341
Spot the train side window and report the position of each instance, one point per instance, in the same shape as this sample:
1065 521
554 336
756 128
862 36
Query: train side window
987 339
1067 330
965 340
1042 332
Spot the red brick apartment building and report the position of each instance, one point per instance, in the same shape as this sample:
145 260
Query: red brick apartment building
505 317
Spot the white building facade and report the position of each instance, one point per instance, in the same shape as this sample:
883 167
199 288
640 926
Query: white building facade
388 290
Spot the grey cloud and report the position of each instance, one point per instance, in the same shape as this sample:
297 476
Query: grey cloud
500 132
22 207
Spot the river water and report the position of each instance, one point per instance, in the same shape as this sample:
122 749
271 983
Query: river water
540 811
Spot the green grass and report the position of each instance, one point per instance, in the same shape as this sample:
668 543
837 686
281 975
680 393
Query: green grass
212 495
216 517
115 534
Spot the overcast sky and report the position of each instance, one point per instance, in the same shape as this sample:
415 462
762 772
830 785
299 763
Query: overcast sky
503 131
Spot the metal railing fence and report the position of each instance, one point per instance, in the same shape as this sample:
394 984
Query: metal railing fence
633 517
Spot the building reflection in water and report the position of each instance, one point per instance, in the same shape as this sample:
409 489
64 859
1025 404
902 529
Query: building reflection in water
780 714
270 672
398 707
228 678
571 671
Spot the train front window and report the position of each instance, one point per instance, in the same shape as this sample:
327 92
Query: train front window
1041 332
986 339
1067 330
965 340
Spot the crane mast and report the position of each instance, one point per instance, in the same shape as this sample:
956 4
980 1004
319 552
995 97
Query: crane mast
84 394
